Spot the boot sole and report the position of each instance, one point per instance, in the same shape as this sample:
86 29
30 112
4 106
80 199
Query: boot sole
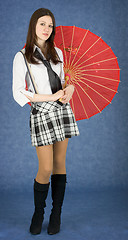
52 233
35 233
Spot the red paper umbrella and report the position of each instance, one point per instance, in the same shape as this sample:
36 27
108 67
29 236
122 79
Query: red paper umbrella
91 66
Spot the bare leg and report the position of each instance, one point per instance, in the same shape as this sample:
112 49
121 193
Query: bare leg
45 158
59 156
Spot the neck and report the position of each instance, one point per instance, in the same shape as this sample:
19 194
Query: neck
43 50
42 46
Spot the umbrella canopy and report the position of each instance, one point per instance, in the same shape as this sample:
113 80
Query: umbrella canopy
91 66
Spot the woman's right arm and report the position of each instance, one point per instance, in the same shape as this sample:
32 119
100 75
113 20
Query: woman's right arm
19 85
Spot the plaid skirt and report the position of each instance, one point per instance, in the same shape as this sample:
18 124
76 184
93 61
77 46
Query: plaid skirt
51 122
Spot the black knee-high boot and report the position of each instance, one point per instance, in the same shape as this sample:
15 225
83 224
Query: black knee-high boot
58 184
40 195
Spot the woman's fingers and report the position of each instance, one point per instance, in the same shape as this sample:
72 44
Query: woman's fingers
66 94
64 97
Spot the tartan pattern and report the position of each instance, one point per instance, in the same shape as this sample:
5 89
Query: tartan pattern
51 122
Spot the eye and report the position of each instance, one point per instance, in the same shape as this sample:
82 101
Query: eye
42 24
51 26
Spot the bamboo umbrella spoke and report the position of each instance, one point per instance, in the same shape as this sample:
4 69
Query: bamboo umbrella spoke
94 90
99 84
92 57
97 76
99 69
79 47
102 61
80 75
81 103
87 51
71 44
88 96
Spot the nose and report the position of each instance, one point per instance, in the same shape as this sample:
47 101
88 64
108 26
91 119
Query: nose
46 28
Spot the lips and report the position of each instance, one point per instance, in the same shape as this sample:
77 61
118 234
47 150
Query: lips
45 34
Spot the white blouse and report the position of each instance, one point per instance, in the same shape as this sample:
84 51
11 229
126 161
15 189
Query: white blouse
39 71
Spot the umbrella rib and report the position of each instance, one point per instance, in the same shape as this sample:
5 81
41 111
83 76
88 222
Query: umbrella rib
94 90
93 56
81 102
71 44
88 96
96 84
63 44
97 69
87 50
110 79
79 46
105 60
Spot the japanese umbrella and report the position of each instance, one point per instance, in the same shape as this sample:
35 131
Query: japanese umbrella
91 66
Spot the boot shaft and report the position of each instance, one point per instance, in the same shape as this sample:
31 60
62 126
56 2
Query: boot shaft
58 185
40 195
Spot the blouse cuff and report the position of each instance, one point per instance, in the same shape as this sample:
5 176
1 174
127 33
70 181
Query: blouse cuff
28 93
21 99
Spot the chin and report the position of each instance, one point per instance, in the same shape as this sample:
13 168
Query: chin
45 38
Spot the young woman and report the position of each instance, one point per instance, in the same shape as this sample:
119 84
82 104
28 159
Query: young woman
52 122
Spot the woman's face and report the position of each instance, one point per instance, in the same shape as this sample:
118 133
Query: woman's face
44 29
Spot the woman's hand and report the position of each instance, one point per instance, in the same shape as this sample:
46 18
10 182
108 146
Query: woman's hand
68 92
57 95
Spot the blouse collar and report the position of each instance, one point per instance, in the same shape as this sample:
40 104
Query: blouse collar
35 46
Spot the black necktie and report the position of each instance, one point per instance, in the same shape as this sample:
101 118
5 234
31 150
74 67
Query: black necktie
54 79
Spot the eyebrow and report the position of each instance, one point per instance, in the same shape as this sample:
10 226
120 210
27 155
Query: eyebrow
45 22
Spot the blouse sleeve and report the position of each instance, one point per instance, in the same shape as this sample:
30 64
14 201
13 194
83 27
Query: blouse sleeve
19 85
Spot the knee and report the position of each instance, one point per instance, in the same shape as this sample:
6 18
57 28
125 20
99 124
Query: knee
45 171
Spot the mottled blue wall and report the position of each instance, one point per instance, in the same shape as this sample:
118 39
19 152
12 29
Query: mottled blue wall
98 158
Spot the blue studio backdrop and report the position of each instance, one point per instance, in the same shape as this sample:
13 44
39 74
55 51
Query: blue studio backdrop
98 158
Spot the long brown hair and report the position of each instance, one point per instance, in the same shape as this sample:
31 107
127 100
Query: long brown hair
31 37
